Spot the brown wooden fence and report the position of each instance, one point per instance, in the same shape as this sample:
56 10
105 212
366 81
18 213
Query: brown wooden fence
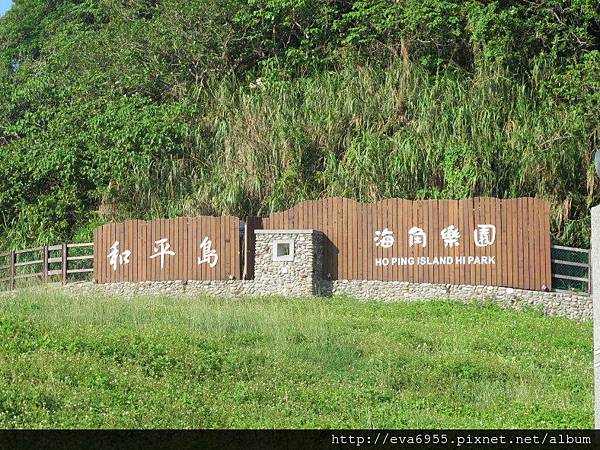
45 263
198 248
477 241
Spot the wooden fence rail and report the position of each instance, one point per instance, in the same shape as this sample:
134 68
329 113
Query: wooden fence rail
571 269
37 263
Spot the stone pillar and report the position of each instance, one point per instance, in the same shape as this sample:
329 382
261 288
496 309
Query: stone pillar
595 268
288 262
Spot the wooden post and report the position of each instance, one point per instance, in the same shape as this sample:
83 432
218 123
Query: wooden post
13 260
45 264
245 251
65 261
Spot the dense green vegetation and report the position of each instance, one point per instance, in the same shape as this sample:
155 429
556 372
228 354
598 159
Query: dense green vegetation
113 109
279 363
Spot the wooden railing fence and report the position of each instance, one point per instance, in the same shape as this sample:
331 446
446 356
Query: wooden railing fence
571 269
44 263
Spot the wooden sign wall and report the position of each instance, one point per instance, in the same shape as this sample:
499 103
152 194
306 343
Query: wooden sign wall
477 241
199 248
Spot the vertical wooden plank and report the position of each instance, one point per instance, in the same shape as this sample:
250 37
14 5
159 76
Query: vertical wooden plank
154 236
486 249
194 248
65 263
147 262
138 259
314 221
452 249
464 248
525 239
539 208
541 214
103 255
395 221
45 263
205 229
534 237
98 254
237 248
548 246
133 248
115 274
246 264
110 272
507 236
333 206
442 251
527 242
490 269
95 260
172 260
500 245
130 245
13 261
469 220
168 258
161 235
464 238
428 219
381 225
186 247
483 219
350 233
341 227
369 234
388 252
106 270
201 229
519 237
540 251
473 220
497 246
358 269
344 226
433 233
101 250
411 220
182 261
154 262
408 269
423 252
513 242
229 250
396 225
124 245
220 267
177 248
534 241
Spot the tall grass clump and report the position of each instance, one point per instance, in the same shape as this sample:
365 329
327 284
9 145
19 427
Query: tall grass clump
369 133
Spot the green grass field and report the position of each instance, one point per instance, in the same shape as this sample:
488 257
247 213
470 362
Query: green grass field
288 363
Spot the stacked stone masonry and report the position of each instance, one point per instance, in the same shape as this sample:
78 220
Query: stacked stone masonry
571 305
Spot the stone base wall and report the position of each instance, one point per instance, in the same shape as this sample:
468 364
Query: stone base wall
571 305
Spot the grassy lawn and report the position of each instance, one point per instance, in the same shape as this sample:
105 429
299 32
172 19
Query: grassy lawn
288 363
